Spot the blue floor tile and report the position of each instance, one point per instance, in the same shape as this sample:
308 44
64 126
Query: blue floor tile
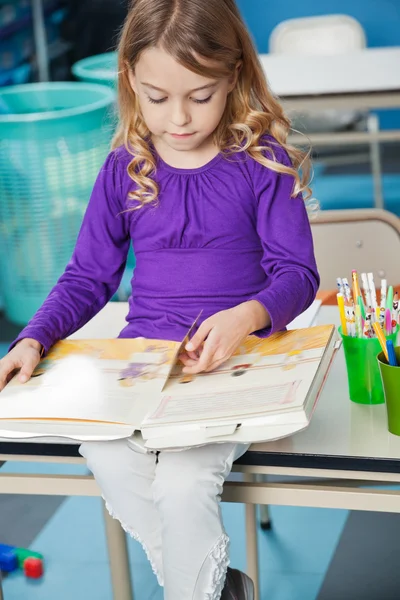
234 521
289 586
294 555
74 547
302 540
89 580
44 468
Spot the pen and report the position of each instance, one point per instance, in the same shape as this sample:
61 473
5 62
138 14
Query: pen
347 290
371 288
383 292
391 354
340 301
340 286
366 288
395 311
350 318
388 321
356 285
389 298
359 322
362 307
381 338
368 332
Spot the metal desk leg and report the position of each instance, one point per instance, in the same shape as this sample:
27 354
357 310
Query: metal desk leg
118 556
376 163
39 32
265 519
252 548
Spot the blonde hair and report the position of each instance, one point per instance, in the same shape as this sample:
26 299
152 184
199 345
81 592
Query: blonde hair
213 30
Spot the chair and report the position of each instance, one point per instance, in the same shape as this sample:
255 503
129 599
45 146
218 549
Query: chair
367 240
364 239
327 35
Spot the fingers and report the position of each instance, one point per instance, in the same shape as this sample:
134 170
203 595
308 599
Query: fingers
194 355
26 362
210 356
30 361
200 336
187 361
190 358
11 375
8 367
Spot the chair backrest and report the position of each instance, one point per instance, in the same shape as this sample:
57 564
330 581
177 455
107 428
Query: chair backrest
365 240
324 35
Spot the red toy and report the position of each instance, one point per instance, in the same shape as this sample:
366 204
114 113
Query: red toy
33 568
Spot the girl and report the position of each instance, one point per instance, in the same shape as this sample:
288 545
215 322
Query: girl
201 178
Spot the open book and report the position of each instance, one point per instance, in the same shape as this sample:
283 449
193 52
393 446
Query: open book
109 389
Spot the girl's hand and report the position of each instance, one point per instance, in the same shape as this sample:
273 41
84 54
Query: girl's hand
220 335
24 356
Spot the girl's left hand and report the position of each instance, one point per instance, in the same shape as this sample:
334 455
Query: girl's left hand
220 335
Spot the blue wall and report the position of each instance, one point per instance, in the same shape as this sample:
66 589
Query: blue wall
379 18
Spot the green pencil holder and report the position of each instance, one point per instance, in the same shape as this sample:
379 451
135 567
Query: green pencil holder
363 375
391 388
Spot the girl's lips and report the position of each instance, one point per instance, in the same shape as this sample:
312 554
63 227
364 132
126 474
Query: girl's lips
181 135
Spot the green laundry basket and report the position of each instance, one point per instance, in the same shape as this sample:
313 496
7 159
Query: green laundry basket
54 137
97 69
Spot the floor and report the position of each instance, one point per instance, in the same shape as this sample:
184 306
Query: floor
294 555
309 554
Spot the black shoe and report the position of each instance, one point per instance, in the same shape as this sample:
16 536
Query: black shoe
238 586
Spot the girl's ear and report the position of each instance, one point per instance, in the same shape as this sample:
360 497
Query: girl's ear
235 75
132 80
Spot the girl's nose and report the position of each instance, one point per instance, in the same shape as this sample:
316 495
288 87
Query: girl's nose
180 115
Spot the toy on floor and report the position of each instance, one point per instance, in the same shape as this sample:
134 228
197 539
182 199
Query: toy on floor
12 558
33 567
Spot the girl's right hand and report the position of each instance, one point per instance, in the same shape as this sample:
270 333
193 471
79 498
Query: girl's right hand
24 356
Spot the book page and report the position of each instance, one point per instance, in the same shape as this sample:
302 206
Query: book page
80 388
111 381
229 405
129 360
174 362
116 381
256 378
256 360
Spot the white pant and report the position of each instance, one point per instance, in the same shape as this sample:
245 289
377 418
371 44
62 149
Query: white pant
169 502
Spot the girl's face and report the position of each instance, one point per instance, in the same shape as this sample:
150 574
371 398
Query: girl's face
180 108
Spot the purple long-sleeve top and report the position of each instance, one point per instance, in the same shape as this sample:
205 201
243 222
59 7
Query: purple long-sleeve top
220 235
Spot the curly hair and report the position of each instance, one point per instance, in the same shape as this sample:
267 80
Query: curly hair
209 38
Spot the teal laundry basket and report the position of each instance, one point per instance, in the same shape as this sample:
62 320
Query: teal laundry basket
101 68
54 137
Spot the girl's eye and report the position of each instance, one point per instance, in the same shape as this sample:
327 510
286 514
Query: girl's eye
202 101
160 101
